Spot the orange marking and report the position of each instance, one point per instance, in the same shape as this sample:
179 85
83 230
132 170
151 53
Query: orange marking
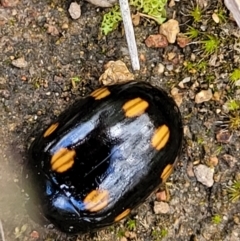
96 200
50 129
122 215
160 137
135 107
62 160
100 93
166 172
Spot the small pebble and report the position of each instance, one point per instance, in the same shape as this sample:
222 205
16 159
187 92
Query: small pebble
20 63
223 136
204 175
161 196
203 95
65 26
74 10
102 3
182 41
161 207
170 29
215 18
156 41
185 80
160 68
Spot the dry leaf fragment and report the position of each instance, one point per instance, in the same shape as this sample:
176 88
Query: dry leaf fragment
115 72
136 19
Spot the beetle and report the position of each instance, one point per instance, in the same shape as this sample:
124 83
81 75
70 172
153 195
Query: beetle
104 156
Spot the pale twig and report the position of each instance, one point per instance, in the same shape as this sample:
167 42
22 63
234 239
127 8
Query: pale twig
129 32
1 231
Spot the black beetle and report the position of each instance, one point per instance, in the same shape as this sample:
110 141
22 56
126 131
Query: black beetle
104 156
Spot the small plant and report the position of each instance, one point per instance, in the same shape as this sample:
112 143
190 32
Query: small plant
234 121
195 67
159 234
233 105
234 191
120 233
202 66
234 76
154 9
210 45
196 13
200 140
75 80
217 219
164 233
19 232
190 67
218 150
210 78
221 15
131 224
192 32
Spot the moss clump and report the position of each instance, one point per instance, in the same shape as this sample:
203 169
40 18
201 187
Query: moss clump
154 9
235 76
111 20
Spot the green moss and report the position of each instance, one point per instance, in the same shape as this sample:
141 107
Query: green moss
233 105
217 219
154 9
158 235
234 121
234 76
111 20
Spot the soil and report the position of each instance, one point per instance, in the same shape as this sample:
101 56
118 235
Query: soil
53 50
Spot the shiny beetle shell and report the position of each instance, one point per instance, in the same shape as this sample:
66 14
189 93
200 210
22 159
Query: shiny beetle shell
104 156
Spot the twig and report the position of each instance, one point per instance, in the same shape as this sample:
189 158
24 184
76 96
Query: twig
129 32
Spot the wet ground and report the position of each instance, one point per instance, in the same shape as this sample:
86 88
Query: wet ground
54 50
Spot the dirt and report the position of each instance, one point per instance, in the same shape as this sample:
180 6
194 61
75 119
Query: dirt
56 50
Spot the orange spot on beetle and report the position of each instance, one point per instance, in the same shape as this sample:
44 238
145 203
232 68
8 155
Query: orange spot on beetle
135 107
63 160
166 172
160 137
50 129
122 215
96 200
100 93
